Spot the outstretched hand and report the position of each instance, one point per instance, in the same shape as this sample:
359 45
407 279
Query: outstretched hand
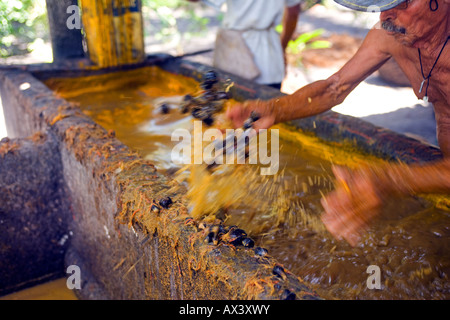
241 112
353 205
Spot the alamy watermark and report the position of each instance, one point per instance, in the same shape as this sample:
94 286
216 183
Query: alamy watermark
74 19
74 280
374 280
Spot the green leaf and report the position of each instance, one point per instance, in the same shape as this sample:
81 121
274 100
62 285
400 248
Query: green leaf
319 44
279 28
308 36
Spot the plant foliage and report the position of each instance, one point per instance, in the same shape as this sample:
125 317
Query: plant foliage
21 22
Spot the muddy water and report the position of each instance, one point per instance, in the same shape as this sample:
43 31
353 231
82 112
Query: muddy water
409 243
53 290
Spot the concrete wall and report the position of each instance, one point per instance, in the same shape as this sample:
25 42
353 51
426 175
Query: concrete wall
33 211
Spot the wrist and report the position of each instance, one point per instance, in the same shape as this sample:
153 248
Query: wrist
392 180
273 110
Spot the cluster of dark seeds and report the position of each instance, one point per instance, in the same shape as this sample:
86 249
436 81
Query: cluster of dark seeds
217 233
232 139
237 237
233 235
208 102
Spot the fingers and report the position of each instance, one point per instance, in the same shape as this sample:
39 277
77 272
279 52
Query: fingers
238 114
349 230
345 215
343 177
341 173
341 222
241 112
351 207
263 123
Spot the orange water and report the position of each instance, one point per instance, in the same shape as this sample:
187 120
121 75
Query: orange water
53 290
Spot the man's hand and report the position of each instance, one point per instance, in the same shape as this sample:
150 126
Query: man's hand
352 206
241 112
360 193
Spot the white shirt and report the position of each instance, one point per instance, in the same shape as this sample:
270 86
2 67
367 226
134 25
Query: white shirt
258 19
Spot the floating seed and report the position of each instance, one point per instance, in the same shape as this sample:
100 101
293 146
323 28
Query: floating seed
206 85
278 271
164 108
247 242
210 77
222 95
208 121
248 124
254 116
199 113
236 236
209 96
155 208
261 251
288 295
165 203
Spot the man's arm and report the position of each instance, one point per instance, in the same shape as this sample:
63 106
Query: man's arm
290 19
322 95
442 115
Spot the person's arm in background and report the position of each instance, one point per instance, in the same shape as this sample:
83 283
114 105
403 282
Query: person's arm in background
290 18
319 96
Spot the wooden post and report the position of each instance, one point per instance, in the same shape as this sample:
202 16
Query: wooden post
65 29
114 31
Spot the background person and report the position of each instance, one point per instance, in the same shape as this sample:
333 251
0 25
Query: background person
247 44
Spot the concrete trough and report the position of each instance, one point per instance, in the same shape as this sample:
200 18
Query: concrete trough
95 187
